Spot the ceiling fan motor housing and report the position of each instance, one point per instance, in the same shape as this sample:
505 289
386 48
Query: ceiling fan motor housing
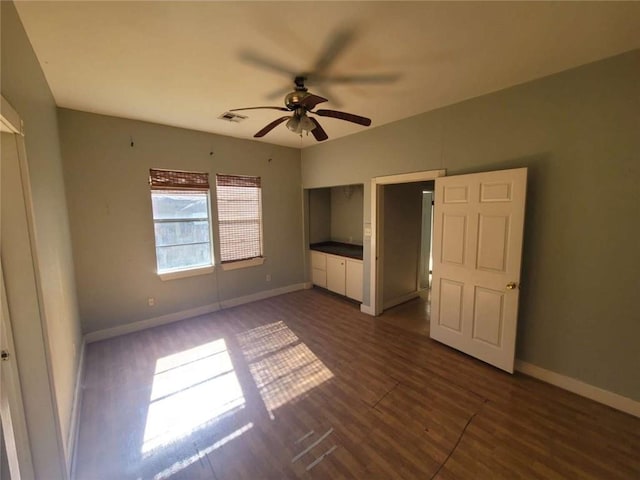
293 99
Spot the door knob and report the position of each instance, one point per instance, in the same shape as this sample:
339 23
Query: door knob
512 285
4 355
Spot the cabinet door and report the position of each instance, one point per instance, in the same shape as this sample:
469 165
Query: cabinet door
336 274
318 260
319 277
319 269
354 280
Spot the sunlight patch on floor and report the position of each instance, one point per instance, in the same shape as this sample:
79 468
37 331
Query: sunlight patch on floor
282 366
190 389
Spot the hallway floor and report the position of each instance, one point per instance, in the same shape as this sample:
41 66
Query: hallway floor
412 316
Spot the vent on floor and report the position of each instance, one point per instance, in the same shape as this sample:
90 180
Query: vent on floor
232 117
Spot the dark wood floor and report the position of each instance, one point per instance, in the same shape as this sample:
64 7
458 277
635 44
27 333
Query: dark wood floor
239 394
412 316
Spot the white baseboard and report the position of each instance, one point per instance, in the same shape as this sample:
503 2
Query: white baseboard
149 323
74 424
254 297
401 299
368 309
613 400
183 315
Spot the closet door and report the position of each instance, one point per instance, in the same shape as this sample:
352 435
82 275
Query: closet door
478 228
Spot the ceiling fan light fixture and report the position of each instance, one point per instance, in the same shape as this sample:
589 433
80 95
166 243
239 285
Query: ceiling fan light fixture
306 125
299 103
300 124
293 124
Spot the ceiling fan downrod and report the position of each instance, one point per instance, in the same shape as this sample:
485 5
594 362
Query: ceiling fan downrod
299 82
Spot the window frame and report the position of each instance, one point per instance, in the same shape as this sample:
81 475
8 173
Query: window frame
204 189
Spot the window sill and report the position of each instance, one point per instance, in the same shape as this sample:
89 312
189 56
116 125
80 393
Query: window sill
254 262
191 272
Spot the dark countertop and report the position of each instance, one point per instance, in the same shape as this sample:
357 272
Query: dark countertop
339 248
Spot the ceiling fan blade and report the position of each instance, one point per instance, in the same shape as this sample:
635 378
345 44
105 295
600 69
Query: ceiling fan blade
310 101
260 61
279 93
318 132
337 44
270 127
349 117
377 78
258 108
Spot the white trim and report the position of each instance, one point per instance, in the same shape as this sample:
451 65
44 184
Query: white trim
9 119
184 314
308 285
409 177
254 297
252 262
149 323
376 257
367 309
191 272
611 399
14 420
401 299
74 424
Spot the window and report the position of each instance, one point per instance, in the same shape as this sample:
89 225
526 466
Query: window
180 202
240 217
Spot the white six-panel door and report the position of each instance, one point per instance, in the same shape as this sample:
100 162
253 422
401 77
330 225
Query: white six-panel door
477 249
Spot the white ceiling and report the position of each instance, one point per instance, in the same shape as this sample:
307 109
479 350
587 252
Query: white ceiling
180 63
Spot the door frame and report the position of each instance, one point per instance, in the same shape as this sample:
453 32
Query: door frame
376 258
11 404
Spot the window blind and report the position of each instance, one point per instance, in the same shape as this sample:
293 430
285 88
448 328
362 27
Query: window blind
178 180
239 201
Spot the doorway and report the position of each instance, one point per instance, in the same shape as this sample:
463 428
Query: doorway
16 446
387 195
406 255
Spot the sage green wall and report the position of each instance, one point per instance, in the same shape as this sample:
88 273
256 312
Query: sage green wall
336 214
346 214
25 87
319 215
111 219
401 243
578 132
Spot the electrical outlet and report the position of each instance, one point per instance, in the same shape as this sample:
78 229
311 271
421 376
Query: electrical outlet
268 277
151 301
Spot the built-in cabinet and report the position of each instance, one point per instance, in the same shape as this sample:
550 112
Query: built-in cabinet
353 279
336 274
342 275
319 269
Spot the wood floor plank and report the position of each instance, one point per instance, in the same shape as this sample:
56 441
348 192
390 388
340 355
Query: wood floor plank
229 395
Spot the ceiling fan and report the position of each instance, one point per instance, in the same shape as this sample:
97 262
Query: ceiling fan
301 103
